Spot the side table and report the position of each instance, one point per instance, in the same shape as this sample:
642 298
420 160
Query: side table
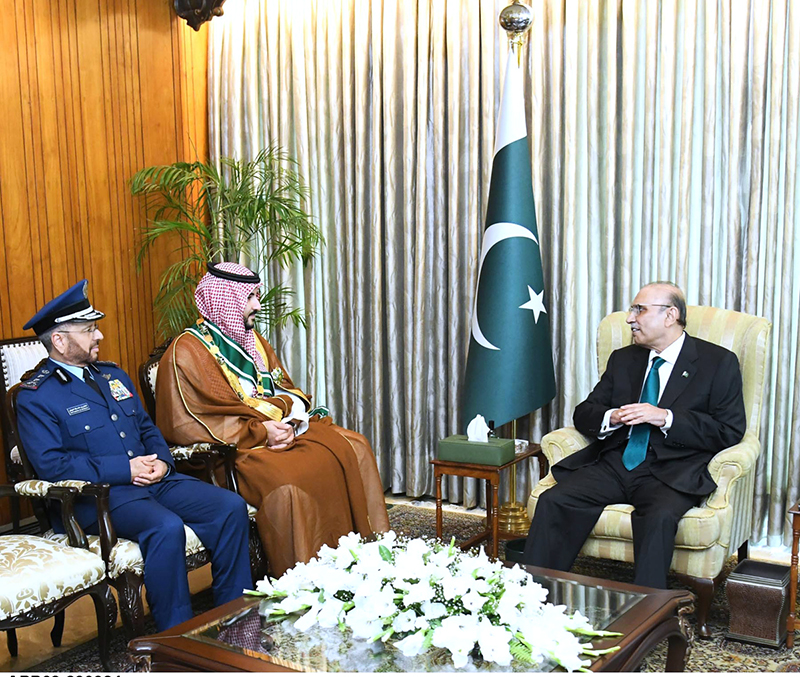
794 511
489 473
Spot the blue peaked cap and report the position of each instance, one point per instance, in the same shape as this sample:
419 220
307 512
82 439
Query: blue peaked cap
71 306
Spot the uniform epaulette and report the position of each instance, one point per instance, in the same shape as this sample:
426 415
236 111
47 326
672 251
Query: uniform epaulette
107 363
33 378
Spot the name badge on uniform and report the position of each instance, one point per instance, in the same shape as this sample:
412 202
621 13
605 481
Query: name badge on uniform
118 390
79 409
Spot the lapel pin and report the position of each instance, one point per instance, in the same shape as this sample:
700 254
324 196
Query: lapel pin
685 374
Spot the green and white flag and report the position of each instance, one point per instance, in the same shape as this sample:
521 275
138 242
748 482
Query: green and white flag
510 362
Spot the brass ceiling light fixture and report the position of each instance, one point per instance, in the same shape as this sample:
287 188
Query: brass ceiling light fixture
197 12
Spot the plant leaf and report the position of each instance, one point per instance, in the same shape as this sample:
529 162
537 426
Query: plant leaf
241 209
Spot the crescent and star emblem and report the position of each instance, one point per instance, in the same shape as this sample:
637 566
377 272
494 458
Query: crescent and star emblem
495 233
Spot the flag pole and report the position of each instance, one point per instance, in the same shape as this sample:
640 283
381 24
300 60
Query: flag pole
515 19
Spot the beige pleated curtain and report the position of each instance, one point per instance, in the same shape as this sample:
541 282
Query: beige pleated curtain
664 145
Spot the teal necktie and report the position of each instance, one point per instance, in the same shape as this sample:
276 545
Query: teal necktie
636 450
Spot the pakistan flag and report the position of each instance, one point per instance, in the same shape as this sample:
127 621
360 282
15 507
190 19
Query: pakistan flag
510 362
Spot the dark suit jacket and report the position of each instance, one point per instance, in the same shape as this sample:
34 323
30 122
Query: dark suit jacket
704 393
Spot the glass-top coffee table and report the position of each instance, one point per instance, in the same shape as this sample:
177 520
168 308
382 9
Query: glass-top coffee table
235 637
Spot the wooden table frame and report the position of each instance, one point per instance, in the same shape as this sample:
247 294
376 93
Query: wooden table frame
491 474
662 614
794 511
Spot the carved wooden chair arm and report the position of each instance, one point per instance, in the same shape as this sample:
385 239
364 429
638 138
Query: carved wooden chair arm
106 532
208 456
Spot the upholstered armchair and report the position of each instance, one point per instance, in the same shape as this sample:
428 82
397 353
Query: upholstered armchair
40 578
709 534
209 461
16 357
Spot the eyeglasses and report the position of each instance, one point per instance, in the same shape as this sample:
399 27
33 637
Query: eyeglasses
638 308
88 330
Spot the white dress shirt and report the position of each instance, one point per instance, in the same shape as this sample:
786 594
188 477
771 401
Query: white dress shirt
73 369
670 356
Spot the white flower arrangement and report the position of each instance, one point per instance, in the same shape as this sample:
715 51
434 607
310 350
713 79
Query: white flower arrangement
417 595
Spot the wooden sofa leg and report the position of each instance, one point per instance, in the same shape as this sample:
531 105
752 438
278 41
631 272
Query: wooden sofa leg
131 606
58 629
704 589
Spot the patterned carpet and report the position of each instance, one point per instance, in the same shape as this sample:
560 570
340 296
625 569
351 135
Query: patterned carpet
715 655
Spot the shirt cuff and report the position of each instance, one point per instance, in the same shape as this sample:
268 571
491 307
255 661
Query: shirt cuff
667 422
606 428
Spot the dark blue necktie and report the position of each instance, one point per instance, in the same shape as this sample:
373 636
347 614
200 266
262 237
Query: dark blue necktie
636 450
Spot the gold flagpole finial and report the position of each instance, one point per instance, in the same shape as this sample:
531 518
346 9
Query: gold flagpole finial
516 20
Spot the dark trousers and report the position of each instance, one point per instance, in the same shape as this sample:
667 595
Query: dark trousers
217 516
566 514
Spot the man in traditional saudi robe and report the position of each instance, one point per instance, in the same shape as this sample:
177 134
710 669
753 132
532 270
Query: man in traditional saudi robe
220 381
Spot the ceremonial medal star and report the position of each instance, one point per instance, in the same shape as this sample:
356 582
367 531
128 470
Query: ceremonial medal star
536 304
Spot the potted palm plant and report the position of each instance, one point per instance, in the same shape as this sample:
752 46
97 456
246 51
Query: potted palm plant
243 210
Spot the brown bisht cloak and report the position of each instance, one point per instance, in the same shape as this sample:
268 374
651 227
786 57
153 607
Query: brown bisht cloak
325 484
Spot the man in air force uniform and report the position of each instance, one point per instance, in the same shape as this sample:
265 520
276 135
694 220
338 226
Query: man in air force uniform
81 419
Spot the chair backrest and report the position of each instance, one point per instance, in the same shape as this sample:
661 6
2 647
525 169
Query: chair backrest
745 335
17 356
24 470
148 373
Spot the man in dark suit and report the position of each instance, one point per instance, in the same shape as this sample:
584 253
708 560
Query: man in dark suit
663 408
81 419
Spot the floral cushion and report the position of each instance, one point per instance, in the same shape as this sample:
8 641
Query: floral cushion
181 453
126 555
39 487
35 571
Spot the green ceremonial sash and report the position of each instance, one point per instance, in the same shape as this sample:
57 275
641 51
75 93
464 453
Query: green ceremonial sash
234 356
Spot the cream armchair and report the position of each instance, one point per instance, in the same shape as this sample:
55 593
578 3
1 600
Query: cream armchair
709 534
39 578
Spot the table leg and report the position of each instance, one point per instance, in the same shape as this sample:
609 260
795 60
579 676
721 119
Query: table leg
793 583
438 504
676 653
495 516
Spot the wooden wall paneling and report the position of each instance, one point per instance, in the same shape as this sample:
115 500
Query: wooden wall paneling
191 83
88 64
91 93
139 304
115 104
17 175
66 154
160 116
32 144
54 264
78 218
129 160
14 232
